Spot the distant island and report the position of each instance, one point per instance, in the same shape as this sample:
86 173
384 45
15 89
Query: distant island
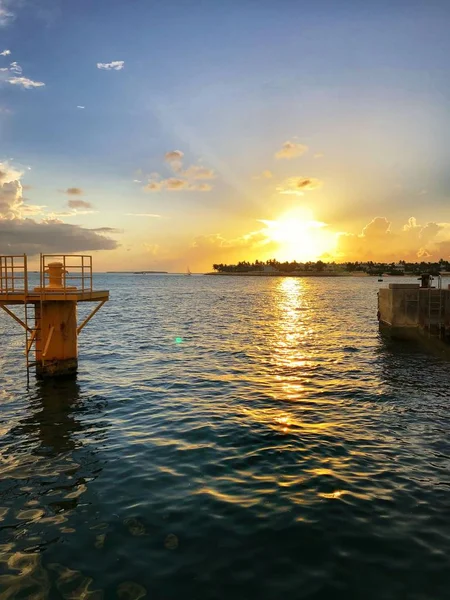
319 268
139 272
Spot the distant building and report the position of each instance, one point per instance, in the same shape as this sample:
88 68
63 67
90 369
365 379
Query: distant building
269 269
399 267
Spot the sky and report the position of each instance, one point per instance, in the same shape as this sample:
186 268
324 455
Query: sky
162 135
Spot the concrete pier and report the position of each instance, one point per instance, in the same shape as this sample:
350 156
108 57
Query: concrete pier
408 310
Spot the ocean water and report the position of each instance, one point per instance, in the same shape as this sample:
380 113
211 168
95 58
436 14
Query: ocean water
244 438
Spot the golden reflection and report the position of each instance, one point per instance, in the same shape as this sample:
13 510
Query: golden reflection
73 584
291 331
291 374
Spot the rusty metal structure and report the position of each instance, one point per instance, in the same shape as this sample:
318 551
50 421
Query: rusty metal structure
50 309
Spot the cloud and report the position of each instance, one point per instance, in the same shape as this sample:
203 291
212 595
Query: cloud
14 67
18 236
319 155
150 215
79 204
176 155
5 53
11 200
25 82
198 172
115 65
154 186
175 160
184 180
176 184
106 230
297 185
378 241
379 226
216 240
8 173
5 15
264 175
81 107
291 150
19 233
202 187
74 191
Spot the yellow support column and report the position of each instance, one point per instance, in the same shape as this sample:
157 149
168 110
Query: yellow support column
56 346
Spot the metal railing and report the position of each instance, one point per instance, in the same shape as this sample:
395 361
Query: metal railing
13 274
76 274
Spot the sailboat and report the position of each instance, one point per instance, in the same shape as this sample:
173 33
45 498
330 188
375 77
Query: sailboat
188 271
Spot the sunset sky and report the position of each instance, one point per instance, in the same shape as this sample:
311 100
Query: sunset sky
166 134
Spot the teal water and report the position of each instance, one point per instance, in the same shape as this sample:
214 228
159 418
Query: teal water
227 438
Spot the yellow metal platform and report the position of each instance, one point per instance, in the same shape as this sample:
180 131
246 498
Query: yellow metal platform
49 313
11 298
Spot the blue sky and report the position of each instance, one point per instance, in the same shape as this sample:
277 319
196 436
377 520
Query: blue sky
364 85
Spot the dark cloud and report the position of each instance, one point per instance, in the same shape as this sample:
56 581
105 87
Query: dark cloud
106 230
21 234
74 191
18 236
79 204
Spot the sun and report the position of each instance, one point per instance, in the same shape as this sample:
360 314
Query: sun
299 236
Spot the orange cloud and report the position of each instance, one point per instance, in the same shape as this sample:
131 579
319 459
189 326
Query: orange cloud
184 180
379 242
291 150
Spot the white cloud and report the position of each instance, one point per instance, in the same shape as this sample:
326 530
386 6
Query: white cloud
115 65
5 53
5 15
14 67
291 150
25 82
81 106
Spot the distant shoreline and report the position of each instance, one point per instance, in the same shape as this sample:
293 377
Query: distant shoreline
292 274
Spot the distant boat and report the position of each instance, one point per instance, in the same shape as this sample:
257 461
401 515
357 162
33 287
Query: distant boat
188 271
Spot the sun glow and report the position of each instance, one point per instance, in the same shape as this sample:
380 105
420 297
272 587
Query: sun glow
299 236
